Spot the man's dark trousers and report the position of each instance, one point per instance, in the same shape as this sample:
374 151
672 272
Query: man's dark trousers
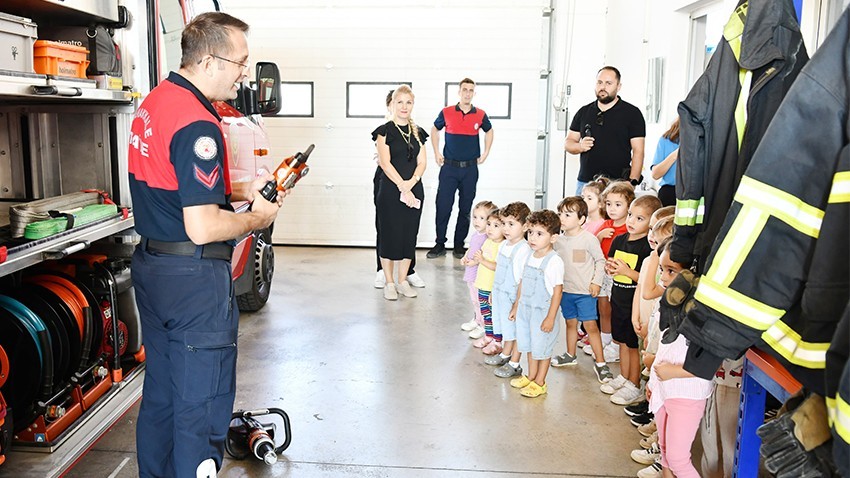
189 323
464 181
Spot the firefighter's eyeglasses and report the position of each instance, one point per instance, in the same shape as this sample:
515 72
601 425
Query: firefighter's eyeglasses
243 65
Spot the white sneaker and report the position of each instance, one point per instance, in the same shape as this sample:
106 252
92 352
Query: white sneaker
477 332
651 471
648 456
611 387
415 280
405 290
587 349
467 326
611 352
380 280
390 293
626 395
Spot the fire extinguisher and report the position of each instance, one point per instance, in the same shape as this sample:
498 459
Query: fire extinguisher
254 432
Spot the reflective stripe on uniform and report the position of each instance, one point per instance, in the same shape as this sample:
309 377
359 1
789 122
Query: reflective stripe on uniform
790 345
830 410
733 32
689 212
840 191
730 255
841 424
783 206
744 78
736 305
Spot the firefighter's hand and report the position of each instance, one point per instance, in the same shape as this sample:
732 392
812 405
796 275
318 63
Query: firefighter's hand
439 159
257 185
796 444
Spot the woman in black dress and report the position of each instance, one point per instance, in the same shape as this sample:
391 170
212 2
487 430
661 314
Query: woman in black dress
400 192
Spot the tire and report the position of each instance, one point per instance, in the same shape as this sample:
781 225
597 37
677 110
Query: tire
261 272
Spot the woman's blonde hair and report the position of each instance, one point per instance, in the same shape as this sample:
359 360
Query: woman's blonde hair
405 90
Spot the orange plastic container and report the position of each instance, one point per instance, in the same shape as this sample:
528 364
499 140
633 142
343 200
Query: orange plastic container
60 59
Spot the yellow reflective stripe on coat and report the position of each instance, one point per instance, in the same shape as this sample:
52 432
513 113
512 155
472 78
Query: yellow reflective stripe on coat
791 345
830 409
840 191
781 205
736 305
737 244
689 212
733 32
744 78
841 423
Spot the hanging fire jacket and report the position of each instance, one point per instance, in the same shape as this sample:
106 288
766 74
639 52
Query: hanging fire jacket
726 114
838 392
779 276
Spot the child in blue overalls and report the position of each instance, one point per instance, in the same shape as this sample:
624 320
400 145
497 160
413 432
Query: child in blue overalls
513 252
539 298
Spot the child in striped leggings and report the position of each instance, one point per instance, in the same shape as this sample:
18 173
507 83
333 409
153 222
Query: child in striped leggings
486 260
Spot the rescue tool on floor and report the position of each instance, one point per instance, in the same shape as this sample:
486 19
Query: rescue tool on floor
254 432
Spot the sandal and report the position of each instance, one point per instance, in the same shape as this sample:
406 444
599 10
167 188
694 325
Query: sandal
482 342
492 348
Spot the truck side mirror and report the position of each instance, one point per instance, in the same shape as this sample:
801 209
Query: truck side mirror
268 88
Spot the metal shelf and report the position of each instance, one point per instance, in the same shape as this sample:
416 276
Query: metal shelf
60 245
24 87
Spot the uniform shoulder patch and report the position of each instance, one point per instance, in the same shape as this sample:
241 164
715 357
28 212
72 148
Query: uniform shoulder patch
205 148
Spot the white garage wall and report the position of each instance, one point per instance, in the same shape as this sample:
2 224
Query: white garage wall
426 43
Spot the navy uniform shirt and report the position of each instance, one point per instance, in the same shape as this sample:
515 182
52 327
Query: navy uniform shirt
177 159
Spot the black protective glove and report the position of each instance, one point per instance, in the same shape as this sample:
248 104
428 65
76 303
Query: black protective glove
798 443
675 304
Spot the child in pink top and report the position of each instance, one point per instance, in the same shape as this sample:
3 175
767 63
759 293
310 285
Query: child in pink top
676 397
592 195
475 326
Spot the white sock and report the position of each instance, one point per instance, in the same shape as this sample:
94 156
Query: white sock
606 339
599 364
503 356
514 364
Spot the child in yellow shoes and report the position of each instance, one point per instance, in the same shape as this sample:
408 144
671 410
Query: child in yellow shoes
539 298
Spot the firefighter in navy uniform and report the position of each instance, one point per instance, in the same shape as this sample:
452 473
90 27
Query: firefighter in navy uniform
180 185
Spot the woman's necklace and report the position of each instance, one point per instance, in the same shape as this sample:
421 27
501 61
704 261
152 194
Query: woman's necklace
404 135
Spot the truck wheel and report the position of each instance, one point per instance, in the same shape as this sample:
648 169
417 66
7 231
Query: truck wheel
261 271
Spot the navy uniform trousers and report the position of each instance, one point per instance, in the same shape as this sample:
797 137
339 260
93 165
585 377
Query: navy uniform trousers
189 327
464 181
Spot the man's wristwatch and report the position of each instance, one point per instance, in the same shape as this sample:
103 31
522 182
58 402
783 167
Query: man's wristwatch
636 181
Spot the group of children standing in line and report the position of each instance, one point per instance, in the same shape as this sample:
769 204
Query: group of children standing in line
590 258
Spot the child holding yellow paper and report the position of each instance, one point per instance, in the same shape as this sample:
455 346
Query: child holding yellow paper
624 263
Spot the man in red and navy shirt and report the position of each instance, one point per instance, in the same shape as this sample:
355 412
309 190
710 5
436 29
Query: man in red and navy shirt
459 164
181 191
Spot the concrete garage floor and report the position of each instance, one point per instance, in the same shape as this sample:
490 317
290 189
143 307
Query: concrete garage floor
393 389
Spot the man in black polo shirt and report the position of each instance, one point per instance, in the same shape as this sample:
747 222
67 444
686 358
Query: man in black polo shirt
458 164
608 133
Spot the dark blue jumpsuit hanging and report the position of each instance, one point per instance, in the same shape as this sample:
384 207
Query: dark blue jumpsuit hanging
184 292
